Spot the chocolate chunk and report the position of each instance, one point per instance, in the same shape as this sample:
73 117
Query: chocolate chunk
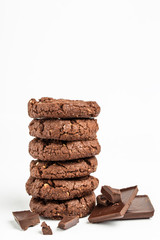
68 222
101 200
104 213
111 194
46 230
26 219
141 207
116 210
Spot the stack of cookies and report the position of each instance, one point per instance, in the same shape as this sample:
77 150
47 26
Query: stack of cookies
65 146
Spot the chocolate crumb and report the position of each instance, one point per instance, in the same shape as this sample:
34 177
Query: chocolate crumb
46 230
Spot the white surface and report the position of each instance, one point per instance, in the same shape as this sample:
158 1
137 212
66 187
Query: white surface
108 51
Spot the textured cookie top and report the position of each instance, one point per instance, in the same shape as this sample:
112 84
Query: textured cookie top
66 130
61 189
52 150
57 209
62 170
62 108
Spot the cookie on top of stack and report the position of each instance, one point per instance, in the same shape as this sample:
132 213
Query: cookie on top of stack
65 146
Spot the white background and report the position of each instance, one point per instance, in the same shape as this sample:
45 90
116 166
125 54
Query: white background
108 51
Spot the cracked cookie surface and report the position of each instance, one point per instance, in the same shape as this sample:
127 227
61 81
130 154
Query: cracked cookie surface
61 189
51 150
62 170
66 130
56 210
62 108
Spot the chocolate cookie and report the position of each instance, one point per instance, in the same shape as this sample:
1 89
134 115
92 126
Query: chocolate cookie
57 210
62 170
61 108
66 130
51 150
61 189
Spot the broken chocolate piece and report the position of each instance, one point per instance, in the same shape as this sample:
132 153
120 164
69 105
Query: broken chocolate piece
111 194
26 219
68 222
116 210
104 213
46 230
141 207
101 200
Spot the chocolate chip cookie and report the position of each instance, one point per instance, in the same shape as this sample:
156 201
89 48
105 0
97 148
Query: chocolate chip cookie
57 210
51 150
61 189
66 130
62 170
62 108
